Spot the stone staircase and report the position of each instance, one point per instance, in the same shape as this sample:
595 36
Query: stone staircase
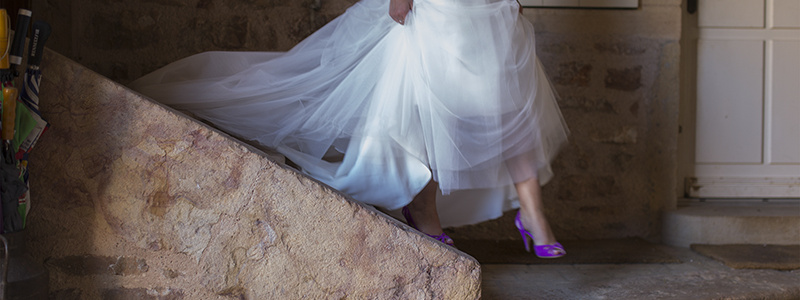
131 199
733 222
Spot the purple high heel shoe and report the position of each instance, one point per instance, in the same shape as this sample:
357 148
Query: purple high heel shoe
543 251
444 238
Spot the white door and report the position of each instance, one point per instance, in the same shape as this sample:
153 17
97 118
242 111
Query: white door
748 100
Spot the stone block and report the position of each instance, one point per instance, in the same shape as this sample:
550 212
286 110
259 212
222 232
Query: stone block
135 200
585 103
588 187
123 31
627 79
620 48
733 223
88 265
573 74
142 294
622 135
66 294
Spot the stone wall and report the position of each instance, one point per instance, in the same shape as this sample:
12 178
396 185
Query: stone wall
132 200
617 75
616 72
123 40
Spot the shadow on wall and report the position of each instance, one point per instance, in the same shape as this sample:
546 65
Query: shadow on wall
124 40
73 185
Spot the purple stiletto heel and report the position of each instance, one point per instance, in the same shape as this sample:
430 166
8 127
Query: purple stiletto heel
543 251
444 238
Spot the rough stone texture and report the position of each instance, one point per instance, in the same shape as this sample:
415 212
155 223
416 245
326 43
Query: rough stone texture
86 265
134 201
615 70
628 79
618 171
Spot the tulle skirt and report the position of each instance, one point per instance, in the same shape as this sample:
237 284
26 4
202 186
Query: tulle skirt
376 109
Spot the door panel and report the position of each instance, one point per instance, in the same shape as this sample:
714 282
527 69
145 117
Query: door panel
785 118
729 110
786 14
747 126
731 13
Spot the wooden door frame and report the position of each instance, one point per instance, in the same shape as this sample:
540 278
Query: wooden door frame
687 102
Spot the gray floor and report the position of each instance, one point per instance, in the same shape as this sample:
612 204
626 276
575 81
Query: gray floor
697 277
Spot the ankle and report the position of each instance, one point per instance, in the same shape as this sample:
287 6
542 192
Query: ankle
424 219
536 224
531 219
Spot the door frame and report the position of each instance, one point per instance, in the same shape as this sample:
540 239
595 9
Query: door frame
687 183
688 99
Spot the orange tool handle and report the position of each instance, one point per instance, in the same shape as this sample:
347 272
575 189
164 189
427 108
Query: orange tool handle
9 112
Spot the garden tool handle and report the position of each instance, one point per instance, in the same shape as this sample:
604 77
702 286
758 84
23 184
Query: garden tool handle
9 112
20 33
4 33
41 31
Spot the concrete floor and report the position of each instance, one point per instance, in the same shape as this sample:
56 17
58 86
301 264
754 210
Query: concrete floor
697 277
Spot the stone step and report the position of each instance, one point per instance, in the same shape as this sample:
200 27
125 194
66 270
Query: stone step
732 223
131 199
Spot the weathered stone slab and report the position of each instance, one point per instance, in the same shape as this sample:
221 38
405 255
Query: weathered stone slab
177 210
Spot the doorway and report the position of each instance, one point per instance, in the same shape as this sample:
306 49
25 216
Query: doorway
740 100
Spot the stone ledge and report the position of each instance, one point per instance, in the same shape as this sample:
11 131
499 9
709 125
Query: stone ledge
119 178
777 224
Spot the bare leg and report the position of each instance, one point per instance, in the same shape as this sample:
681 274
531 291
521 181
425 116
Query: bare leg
532 211
423 210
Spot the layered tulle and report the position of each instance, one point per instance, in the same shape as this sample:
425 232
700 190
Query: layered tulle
376 109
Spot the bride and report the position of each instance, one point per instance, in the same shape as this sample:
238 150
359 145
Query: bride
438 109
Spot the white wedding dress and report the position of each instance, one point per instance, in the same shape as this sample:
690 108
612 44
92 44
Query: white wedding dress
456 95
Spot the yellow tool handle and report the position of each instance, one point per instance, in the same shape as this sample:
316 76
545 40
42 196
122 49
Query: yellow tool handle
4 39
9 112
